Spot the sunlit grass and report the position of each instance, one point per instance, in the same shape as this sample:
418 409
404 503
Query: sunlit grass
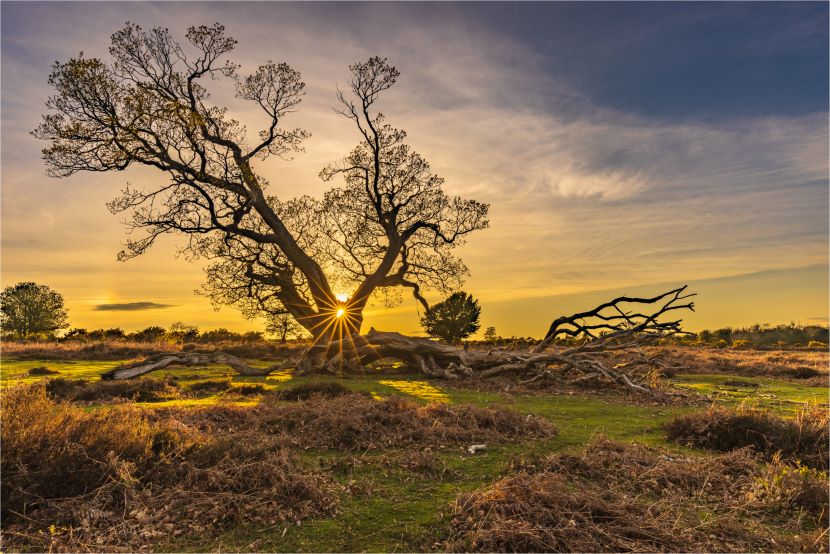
418 389
773 394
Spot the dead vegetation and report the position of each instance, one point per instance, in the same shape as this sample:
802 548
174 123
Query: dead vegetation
809 367
106 350
115 480
123 479
146 389
140 390
329 389
357 422
617 497
802 439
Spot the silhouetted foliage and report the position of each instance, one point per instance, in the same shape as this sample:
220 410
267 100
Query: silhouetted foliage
150 334
28 309
284 327
790 334
390 225
453 319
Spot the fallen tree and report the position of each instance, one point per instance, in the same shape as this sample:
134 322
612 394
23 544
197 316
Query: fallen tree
611 328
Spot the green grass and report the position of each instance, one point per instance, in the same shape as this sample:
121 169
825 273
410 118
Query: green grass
773 394
405 511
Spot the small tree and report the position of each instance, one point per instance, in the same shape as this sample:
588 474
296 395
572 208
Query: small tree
28 308
453 319
182 332
490 334
283 326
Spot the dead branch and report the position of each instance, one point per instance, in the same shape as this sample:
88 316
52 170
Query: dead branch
163 360
611 331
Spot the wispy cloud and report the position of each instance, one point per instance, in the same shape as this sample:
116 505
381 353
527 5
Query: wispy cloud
130 307
583 196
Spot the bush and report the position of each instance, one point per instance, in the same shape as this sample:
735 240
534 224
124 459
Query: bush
817 344
54 450
304 392
72 478
783 487
214 385
41 370
741 344
803 438
145 389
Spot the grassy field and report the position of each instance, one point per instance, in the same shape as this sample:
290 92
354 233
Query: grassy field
391 507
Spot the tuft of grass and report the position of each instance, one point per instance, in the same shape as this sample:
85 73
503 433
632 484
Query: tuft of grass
803 438
304 391
146 389
41 370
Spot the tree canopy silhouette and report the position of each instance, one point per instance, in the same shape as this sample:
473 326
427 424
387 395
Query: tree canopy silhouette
453 319
389 224
28 308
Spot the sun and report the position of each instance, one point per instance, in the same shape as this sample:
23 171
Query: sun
340 312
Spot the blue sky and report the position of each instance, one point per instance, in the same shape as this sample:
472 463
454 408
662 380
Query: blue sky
619 144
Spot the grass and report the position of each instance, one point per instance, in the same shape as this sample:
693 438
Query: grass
773 394
391 508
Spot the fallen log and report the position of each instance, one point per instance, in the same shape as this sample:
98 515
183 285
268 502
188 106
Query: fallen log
611 328
164 360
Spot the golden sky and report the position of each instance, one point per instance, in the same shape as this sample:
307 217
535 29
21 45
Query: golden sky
587 193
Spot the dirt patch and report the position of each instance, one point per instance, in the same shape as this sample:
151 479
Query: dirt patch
114 480
803 438
615 497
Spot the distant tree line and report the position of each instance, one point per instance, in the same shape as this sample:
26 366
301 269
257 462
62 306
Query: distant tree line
182 333
761 335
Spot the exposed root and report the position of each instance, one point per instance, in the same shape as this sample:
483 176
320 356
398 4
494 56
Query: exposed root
610 328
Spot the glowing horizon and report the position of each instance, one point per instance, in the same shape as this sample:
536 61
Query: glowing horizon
715 177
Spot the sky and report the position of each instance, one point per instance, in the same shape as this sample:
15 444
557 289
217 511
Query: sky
622 147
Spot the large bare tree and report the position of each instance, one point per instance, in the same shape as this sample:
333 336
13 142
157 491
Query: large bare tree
389 225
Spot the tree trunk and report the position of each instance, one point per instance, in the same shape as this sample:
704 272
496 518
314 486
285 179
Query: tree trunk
339 348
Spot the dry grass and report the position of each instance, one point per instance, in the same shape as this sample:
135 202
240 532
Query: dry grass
145 389
803 438
125 349
304 392
617 497
811 367
358 422
114 480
